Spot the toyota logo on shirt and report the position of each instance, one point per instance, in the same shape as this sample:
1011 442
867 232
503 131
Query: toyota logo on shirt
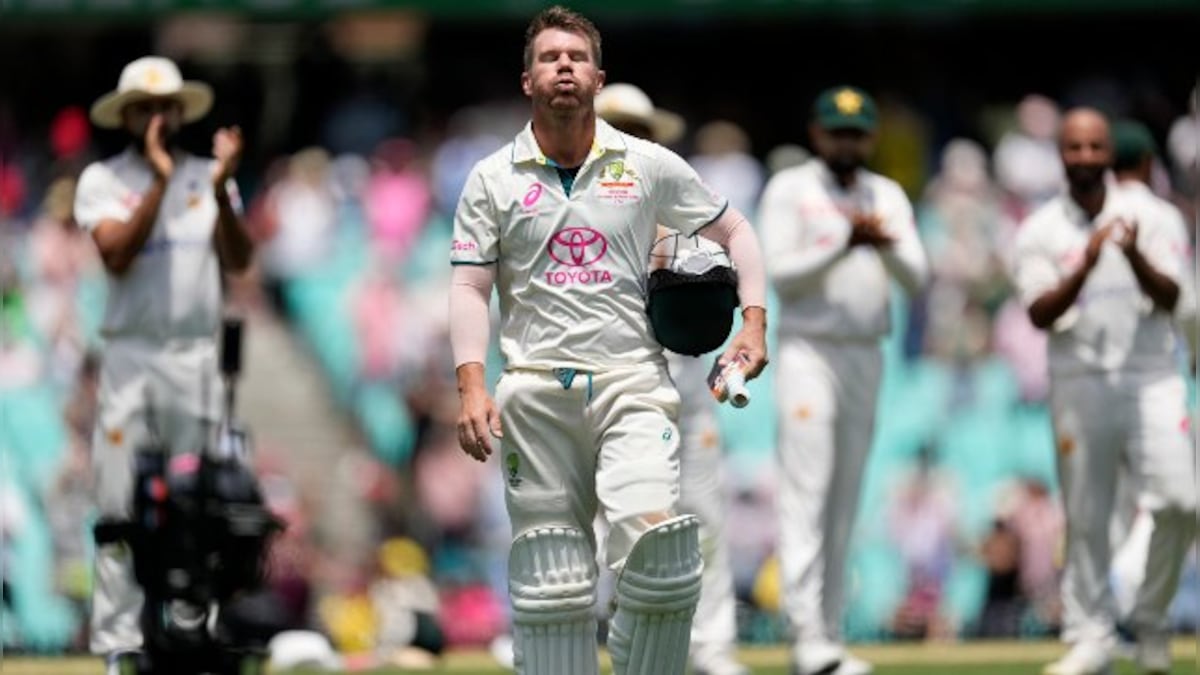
577 246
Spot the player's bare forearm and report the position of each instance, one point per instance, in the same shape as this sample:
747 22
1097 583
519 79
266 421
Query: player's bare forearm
470 378
234 246
756 317
1054 303
1161 289
120 243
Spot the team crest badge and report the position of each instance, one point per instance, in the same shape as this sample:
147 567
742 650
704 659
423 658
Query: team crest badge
848 102
616 169
512 463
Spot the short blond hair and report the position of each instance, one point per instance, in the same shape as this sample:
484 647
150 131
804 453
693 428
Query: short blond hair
563 19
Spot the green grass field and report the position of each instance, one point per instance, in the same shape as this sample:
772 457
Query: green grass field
981 658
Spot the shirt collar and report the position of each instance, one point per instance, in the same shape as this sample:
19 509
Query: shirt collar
525 147
831 180
1074 212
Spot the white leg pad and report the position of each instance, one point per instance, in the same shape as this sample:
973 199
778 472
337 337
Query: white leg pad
656 596
552 583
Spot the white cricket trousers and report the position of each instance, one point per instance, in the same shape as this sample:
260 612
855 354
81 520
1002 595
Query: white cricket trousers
714 628
1099 418
826 393
608 440
142 383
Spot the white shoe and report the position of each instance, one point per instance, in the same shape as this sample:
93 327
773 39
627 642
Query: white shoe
1153 654
501 649
1083 659
818 658
853 666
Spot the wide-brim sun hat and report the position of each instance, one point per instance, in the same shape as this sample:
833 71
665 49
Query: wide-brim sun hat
152 77
621 102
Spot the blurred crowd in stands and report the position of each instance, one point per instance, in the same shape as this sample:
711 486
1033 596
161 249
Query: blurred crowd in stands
965 534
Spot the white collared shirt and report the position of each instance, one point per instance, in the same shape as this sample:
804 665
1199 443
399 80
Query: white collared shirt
1113 325
572 268
826 288
173 288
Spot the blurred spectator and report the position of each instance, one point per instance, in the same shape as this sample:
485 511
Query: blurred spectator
70 142
14 519
377 310
922 526
398 199
1023 347
959 219
752 527
467 142
1183 148
67 499
292 559
63 258
448 482
1183 141
472 616
1037 519
20 361
1026 158
13 189
785 156
724 162
407 606
1004 604
302 217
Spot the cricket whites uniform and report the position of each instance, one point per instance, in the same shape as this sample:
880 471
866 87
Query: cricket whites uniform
833 312
715 626
714 630
586 404
1116 394
159 365
1132 525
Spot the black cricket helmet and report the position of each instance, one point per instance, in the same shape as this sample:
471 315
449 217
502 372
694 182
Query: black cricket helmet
691 295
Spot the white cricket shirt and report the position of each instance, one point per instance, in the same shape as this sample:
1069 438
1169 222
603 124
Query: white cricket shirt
173 289
826 288
571 267
1113 325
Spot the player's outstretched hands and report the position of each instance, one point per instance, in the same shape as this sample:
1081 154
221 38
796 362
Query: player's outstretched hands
1096 244
227 149
750 343
478 422
1125 235
156 152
